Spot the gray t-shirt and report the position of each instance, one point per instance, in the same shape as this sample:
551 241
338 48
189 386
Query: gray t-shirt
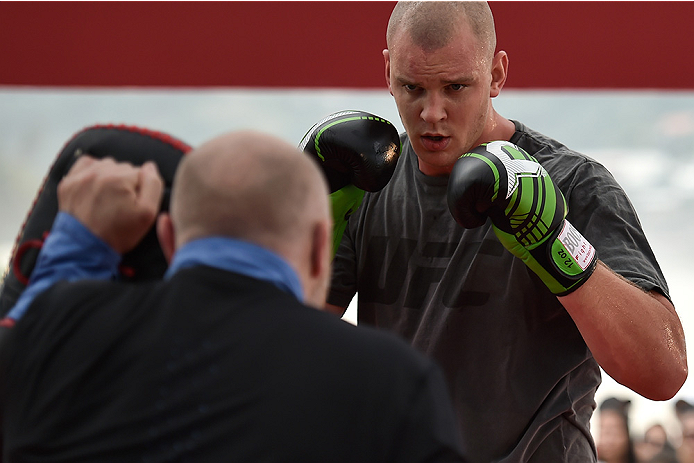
522 378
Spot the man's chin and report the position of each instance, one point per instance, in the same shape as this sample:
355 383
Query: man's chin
437 164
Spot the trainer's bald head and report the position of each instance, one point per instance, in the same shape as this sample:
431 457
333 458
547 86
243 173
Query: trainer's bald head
247 185
257 188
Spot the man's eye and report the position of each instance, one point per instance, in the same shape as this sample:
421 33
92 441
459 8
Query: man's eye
410 87
456 87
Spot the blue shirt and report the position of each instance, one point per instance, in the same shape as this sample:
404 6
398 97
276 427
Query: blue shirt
71 252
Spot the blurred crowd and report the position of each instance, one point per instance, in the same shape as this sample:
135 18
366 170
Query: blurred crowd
616 443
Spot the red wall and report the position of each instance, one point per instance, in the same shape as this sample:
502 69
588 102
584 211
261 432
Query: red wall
329 44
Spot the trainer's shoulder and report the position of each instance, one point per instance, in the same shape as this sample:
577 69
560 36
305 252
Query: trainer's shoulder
99 289
86 295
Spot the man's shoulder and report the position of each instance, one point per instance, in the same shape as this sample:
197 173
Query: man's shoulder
541 145
562 162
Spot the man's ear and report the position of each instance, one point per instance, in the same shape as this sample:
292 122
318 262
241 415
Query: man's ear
499 73
166 235
386 58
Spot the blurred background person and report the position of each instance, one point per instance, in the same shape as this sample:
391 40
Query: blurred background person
655 447
685 416
614 441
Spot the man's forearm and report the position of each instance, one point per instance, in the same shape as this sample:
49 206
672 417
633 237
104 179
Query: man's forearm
635 336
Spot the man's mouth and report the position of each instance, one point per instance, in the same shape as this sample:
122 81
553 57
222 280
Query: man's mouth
435 142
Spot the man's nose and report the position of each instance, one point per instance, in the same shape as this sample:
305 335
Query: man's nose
434 109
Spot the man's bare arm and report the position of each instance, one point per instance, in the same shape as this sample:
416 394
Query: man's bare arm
635 336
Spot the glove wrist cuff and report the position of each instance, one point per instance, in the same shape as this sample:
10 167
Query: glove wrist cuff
568 257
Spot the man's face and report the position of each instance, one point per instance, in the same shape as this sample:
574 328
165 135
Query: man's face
443 97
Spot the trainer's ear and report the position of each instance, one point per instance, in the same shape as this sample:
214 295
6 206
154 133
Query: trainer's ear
320 265
166 235
321 249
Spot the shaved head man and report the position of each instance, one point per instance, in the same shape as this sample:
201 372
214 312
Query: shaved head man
447 256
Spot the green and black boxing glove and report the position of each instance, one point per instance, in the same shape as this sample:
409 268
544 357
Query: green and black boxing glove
358 152
501 181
